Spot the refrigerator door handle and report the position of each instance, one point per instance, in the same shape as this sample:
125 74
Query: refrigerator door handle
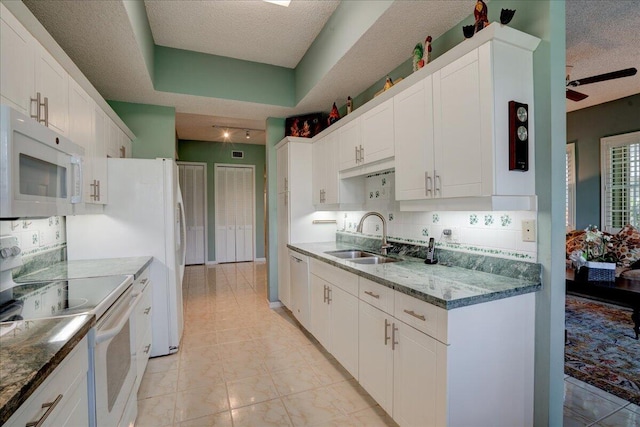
183 235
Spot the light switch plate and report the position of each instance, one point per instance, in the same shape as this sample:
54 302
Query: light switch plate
529 230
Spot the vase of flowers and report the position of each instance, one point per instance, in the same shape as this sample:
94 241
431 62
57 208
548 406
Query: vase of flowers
599 264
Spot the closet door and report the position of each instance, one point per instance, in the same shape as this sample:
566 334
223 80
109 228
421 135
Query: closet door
193 186
234 213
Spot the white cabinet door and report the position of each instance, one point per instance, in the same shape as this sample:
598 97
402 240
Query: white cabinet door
319 323
415 381
17 50
81 118
52 81
377 133
299 270
282 165
344 328
349 142
284 289
99 158
325 182
458 128
318 170
375 367
413 125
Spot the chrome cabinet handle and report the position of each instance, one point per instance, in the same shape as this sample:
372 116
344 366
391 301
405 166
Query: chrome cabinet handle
437 180
376 296
144 281
147 310
38 102
361 153
46 112
428 182
394 343
329 299
98 190
414 314
123 152
147 348
357 155
286 184
386 328
325 293
50 407
93 193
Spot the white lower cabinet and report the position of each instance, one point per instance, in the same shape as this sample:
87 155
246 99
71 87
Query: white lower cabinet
62 399
376 356
334 315
143 325
425 365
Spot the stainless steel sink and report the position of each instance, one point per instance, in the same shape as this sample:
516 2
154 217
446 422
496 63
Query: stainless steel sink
350 254
374 260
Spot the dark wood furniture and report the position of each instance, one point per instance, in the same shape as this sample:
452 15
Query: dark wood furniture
624 292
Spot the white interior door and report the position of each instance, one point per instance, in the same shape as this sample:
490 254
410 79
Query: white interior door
193 184
235 194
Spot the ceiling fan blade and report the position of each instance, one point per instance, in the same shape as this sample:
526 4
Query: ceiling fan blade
575 96
627 72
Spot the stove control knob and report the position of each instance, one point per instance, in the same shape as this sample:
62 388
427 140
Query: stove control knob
5 252
15 250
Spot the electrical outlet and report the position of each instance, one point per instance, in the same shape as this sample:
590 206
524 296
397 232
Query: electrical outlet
529 230
451 235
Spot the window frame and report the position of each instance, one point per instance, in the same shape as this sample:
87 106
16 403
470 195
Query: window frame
606 143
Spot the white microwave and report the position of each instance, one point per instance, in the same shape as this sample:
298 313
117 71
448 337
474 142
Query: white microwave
40 170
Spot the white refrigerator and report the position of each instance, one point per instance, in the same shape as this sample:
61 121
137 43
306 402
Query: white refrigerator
144 216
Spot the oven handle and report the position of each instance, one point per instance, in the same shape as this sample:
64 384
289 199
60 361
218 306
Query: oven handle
107 334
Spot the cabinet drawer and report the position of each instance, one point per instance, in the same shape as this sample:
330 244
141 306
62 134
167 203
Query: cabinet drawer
376 294
346 281
60 386
421 315
143 314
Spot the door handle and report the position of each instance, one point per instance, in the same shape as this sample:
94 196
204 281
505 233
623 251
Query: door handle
394 343
386 334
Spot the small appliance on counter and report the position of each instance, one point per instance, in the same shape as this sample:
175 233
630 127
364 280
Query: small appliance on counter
431 253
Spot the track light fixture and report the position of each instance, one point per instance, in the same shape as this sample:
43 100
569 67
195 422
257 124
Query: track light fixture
227 131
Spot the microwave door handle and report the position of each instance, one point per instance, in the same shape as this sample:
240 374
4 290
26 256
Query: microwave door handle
76 177
107 334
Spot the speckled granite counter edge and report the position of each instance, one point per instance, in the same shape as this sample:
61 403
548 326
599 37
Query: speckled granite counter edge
448 305
38 377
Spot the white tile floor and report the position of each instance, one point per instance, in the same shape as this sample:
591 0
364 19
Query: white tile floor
243 364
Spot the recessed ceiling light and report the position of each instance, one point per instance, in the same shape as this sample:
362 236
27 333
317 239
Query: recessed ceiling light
284 3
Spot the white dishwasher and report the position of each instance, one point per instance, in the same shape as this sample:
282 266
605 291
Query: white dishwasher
299 275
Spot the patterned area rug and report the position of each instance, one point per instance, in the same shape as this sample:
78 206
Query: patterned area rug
601 349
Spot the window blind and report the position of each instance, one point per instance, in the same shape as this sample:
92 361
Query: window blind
621 182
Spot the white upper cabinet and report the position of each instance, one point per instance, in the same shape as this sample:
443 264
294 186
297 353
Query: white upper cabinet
17 79
80 117
377 130
460 151
413 120
349 143
52 83
325 171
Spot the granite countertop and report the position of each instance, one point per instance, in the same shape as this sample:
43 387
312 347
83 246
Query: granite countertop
443 286
81 269
29 353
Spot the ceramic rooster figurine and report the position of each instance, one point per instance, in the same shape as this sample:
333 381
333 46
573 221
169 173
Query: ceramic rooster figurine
480 14
334 115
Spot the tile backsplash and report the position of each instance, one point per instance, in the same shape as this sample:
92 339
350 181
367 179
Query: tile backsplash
43 241
496 233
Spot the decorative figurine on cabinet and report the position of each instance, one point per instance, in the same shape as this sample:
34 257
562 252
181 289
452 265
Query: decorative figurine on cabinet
427 52
349 105
480 13
506 15
334 115
418 52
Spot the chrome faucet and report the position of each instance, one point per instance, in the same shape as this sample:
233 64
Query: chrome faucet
385 246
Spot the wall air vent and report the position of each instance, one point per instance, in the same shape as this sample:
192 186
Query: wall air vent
237 154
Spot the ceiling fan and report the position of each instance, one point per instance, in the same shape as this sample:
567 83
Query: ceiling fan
577 96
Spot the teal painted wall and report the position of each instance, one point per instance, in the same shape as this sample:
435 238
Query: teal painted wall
585 127
194 73
218 152
274 134
154 127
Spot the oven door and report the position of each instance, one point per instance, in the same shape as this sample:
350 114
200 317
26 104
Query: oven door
41 171
115 370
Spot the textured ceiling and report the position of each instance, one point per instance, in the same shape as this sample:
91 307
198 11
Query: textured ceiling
97 35
602 36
